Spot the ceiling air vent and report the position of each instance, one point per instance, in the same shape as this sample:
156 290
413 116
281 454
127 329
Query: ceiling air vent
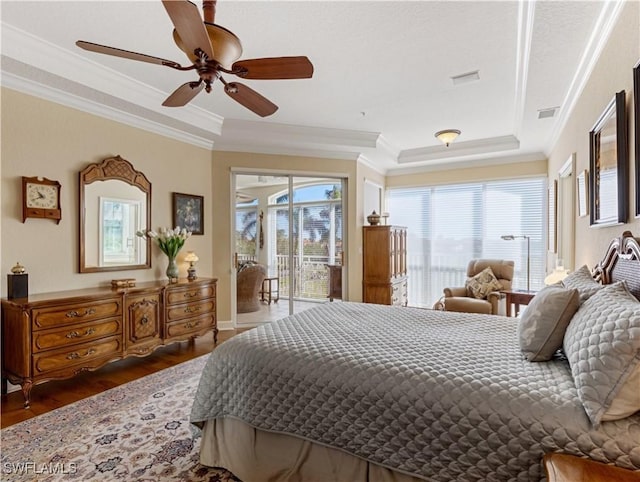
467 77
546 113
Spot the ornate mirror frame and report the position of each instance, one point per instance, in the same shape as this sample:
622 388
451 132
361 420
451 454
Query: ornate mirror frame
113 169
610 130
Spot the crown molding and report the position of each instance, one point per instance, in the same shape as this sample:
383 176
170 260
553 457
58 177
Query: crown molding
459 149
28 49
526 17
269 133
36 89
470 163
599 37
278 149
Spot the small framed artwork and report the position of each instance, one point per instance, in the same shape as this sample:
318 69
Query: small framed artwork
188 212
583 193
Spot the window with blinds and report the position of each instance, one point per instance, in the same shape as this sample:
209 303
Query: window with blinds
450 225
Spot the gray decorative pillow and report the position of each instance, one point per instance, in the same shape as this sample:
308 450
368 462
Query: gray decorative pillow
483 283
582 280
544 322
602 344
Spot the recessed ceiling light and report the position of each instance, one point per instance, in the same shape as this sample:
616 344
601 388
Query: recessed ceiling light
546 113
466 77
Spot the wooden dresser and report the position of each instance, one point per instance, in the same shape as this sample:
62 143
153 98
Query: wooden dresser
52 336
384 270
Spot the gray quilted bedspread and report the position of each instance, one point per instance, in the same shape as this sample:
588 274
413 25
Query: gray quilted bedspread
441 396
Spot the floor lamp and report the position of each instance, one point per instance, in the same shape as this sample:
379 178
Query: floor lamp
511 237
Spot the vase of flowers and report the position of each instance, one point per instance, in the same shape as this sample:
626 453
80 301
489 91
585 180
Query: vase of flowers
170 242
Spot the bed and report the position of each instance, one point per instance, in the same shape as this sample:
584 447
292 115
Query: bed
352 391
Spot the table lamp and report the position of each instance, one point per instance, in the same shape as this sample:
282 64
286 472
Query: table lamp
511 237
191 258
557 275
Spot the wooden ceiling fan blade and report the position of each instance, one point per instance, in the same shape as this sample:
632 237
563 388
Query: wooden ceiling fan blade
250 99
103 49
183 94
272 68
186 19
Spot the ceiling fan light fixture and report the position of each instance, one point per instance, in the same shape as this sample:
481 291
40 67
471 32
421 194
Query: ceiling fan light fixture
447 136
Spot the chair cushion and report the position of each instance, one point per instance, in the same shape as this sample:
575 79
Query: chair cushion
482 284
582 280
544 322
602 344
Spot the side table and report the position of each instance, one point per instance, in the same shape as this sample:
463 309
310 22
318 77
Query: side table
270 290
517 298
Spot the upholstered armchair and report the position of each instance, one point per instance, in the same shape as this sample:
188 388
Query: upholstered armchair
462 298
248 284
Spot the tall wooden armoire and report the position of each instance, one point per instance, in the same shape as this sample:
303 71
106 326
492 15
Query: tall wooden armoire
385 265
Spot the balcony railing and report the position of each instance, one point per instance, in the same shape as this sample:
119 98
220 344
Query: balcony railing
310 276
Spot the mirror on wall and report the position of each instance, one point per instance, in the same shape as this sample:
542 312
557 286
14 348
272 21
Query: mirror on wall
608 164
115 203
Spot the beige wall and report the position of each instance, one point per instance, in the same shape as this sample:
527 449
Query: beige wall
46 139
41 138
612 73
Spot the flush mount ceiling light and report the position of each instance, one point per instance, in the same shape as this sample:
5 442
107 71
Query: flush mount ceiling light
447 135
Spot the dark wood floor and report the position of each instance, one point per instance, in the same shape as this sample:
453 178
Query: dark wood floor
51 395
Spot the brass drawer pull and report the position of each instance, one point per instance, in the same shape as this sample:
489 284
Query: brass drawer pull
75 334
75 314
144 320
191 294
191 324
192 309
75 355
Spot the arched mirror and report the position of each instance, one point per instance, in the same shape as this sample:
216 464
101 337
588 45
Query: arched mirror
115 203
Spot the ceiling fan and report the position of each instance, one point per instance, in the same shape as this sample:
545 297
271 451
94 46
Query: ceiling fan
214 50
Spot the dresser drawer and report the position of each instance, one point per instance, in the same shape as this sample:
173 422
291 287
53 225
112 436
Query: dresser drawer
43 318
399 293
74 334
190 310
83 354
193 325
188 294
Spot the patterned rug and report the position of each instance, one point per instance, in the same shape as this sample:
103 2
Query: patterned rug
137 431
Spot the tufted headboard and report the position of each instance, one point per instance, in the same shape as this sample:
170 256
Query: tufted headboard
621 262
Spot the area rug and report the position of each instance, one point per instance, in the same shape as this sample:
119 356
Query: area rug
137 431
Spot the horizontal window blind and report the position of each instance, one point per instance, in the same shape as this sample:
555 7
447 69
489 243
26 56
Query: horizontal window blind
450 225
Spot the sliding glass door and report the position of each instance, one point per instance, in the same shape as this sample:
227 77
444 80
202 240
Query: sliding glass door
293 225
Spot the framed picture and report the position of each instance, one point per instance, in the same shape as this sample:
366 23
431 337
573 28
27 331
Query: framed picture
636 111
583 193
188 212
609 165
552 241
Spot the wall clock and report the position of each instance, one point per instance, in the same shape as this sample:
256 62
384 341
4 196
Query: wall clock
40 199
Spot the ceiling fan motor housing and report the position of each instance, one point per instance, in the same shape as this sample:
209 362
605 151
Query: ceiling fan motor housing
225 44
